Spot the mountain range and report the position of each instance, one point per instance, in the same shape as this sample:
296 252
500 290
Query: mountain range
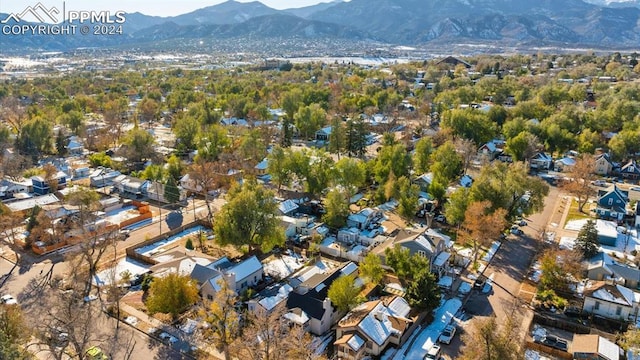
568 23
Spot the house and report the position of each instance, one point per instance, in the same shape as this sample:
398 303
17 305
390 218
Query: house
261 167
363 219
488 151
74 146
288 206
41 186
591 346
603 268
154 190
630 170
323 134
564 164
611 301
308 302
370 328
541 161
239 276
102 177
603 164
8 188
612 203
130 186
429 244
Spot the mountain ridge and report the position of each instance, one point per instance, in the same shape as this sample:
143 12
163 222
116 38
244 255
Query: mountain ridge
395 22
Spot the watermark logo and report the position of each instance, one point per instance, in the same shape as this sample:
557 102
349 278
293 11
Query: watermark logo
40 20
36 11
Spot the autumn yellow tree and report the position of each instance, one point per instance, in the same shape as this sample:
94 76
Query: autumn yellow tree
578 180
481 226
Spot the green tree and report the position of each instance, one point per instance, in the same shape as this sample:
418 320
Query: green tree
249 218
337 140
277 166
509 186
391 159
153 172
422 155
336 205
351 174
415 274
171 191
138 145
212 142
587 241
446 163
523 146
186 129
356 137
371 269
309 119
35 137
320 173
457 205
100 159
344 293
423 292
172 294
408 198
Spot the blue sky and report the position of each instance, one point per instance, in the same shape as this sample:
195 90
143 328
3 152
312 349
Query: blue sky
148 7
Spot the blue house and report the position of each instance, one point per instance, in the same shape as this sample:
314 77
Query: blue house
630 170
42 187
612 203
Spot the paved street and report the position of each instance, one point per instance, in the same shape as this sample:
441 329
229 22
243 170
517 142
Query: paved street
508 269
37 268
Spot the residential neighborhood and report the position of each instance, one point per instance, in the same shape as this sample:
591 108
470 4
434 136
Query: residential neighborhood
324 210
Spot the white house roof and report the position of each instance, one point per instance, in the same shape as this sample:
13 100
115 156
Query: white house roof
376 325
567 161
355 342
441 259
622 298
246 268
271 301
399 307
608 349
32 202
349 269
287 206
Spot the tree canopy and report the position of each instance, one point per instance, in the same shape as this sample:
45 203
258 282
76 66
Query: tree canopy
249 218
172 294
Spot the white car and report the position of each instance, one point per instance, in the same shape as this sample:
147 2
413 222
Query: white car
447 334
8 299
433 353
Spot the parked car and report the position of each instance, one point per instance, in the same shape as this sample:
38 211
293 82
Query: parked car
433 353
599 183
168 337
447 334
8 300
516 230
521 223
554 342
635 188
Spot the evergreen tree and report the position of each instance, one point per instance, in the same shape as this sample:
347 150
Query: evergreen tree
587 241
171 191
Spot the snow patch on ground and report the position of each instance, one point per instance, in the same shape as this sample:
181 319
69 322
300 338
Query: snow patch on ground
284 266
127 264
